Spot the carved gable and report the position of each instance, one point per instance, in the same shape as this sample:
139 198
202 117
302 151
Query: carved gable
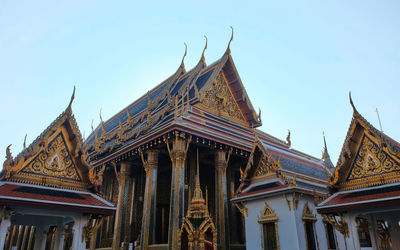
54 161
218 99
371 166
368 157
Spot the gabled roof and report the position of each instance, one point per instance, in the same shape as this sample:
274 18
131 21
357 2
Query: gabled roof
36 196
383 196
368 157
162 104
55 158
277 160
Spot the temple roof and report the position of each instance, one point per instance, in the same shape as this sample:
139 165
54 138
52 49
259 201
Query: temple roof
284 166
159 106
365 198
368 157
35 196
56 158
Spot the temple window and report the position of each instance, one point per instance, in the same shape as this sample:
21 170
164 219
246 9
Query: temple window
363 232
330 236
309 219
269 229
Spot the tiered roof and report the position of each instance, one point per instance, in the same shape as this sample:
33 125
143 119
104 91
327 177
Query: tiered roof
274 167
368 170
56 161
182 94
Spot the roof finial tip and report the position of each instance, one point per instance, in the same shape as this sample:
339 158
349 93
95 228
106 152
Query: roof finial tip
184 55
72 98
228 50
204 50
351 102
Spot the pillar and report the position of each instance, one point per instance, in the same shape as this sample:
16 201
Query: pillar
121 177
352 242
221 199
3 231
31 234
177 204
78 242
150 199
394 230
25 237
41 236
129 212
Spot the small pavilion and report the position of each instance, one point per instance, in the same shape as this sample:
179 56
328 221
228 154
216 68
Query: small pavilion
48 194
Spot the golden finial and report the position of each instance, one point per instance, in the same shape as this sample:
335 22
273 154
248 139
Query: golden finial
72 99
203 59
101 118
25 140
183 58
259 115
289 142
9 159
128 115
228 50
92 125
148 99
102 126
351 102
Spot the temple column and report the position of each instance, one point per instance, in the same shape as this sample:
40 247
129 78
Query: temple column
78 242
150 199
25 237
394 230
177 205
3 231
221 199
129 210
121 177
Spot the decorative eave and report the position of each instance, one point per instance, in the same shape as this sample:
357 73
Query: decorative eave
104 141
360 125
64 134
265 166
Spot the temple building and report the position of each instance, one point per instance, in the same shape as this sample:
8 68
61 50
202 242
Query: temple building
48 192
185 167
365 188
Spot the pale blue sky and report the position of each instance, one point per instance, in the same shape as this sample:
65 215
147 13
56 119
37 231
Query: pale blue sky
297 60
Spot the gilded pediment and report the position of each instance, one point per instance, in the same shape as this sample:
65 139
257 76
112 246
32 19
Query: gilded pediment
372 165
55 158
54 161
219 100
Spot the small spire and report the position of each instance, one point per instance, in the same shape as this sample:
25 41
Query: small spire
183 58
203 59
101 118
288 141
228 49
351 102
72 99
25 140
325 155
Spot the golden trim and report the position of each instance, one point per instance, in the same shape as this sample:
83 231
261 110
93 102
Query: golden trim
268 215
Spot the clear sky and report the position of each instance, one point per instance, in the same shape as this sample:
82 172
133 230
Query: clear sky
297 60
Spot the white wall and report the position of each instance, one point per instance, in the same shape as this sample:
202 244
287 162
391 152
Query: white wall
290 223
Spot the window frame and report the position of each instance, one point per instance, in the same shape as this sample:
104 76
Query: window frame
268 216
308 216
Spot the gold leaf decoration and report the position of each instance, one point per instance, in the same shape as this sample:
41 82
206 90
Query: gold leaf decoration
219 98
